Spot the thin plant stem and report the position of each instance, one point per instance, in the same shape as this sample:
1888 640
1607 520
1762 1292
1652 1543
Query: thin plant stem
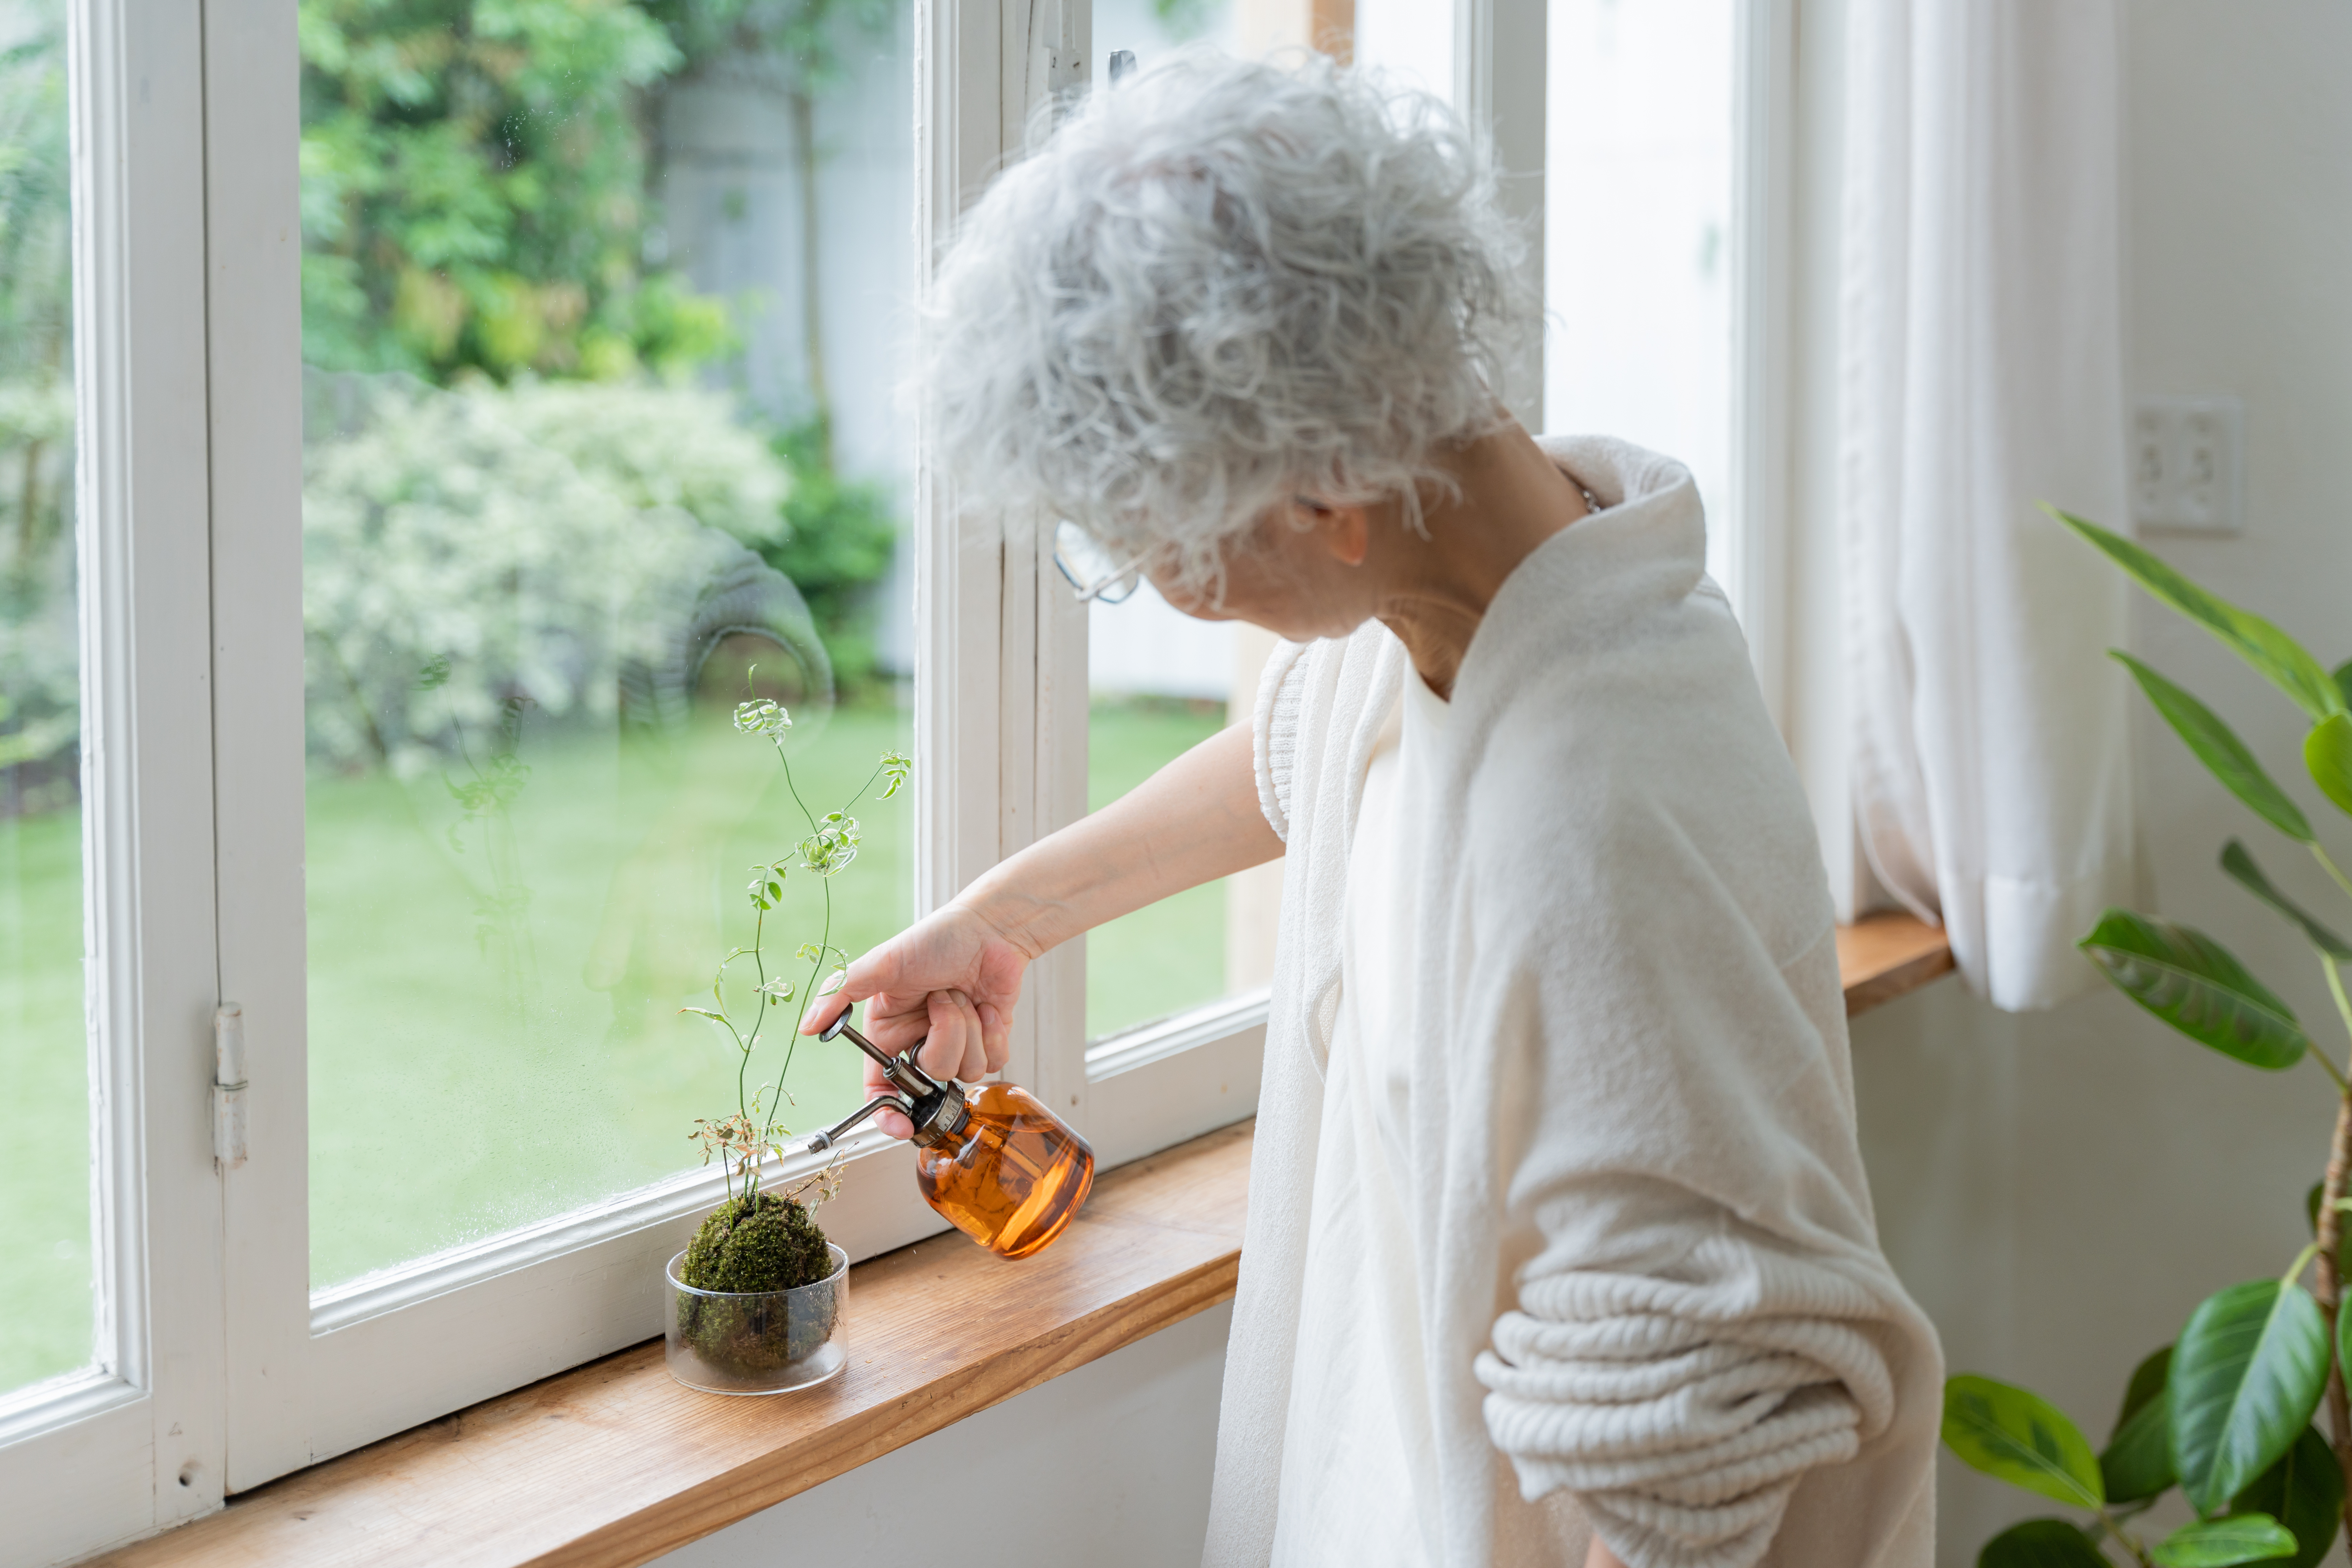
2115 1530
757 1123
825 936
2328 1067
744 1069
2336 988
2342 881
2330 1292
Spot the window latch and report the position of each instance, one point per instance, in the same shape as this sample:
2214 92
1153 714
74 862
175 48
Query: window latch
228 1086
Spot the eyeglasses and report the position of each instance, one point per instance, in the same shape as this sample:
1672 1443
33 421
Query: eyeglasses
1092 571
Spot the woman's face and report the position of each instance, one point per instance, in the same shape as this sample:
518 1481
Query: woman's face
1299 573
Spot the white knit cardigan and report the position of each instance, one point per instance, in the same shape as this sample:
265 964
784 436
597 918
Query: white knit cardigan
1650 1271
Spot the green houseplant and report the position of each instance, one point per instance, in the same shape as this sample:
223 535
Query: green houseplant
2225 1412
754 1299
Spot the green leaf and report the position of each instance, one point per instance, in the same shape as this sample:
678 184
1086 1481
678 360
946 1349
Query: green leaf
2219 748
2222 1543
2276 655
2041 1543
2342 676
2138 1462
2020 1439
2239 862
2328 753
706 1013
2193 984
2148 1381
2246 1375
2305 1492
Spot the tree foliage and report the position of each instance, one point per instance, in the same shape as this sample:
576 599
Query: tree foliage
474 191
476 200
39 680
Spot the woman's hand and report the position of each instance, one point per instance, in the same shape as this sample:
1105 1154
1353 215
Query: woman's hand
955 976
951 981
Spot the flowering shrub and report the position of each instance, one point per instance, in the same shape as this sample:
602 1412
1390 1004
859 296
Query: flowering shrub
465 550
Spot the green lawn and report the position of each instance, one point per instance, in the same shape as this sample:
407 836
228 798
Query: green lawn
460 1086
1171 955
44 1296
485 1081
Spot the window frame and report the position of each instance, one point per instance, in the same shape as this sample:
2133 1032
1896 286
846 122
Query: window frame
136 1441
313 1374
219 1368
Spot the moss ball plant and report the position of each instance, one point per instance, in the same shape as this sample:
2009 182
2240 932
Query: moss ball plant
759 1243
751 1248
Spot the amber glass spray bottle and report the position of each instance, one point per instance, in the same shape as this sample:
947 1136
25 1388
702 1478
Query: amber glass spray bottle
990 1158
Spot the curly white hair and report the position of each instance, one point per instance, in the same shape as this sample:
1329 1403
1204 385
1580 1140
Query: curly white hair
1216 286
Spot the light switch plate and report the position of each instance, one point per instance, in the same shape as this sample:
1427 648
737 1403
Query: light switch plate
2188 463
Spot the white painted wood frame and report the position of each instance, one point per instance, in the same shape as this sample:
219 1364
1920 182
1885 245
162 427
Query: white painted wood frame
137 1442
315 1375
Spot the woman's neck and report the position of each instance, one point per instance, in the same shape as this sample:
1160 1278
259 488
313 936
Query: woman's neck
1433 590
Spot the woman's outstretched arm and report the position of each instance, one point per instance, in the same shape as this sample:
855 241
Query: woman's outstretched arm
955 975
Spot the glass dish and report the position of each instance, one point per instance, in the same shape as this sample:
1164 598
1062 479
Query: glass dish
755 1341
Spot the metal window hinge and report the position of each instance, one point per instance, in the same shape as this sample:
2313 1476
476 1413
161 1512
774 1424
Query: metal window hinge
228 1086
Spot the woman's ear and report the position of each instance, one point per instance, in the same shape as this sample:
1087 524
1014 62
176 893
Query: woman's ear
1345 530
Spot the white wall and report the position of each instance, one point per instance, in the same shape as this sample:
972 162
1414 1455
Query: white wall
1107 1464
2060 1190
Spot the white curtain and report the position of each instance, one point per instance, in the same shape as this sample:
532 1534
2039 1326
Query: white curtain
1981 327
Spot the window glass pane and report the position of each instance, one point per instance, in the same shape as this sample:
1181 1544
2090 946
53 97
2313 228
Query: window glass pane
47 1294
1161 683
601 311
1637 233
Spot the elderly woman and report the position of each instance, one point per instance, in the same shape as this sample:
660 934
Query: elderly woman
1556 1179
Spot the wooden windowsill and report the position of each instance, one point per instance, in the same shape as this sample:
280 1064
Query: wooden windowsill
1882 956
612 1464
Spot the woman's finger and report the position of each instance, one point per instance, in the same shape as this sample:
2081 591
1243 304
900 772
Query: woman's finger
895 1022
895 966
942 1052
995 1036
973 1065
826 1009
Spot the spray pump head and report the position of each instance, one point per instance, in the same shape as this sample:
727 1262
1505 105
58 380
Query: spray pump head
936 1108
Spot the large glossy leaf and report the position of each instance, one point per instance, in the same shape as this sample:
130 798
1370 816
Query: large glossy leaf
2148 1381
2303 1491
2279 658
2224 1543
2041 1543
2218 747
2193 984
2239 862
2246 1375
2327 756
2020 1439
2138 1462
